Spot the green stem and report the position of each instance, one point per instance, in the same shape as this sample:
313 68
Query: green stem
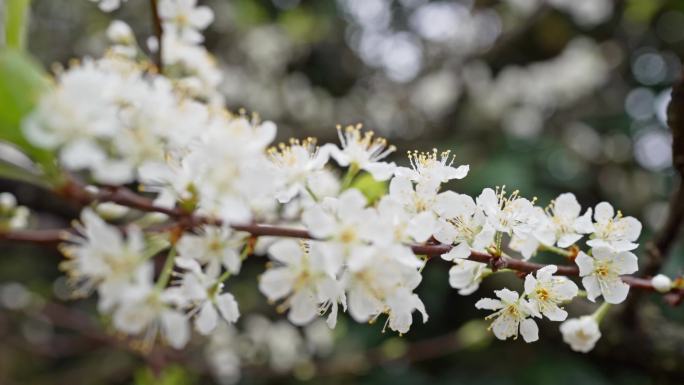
243 255
165 274
349 177
601 312
16 23
311 193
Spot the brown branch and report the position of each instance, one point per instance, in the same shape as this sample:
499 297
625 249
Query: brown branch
123 196
53 237
159 34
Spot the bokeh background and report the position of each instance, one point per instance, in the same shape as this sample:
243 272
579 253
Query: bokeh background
540 96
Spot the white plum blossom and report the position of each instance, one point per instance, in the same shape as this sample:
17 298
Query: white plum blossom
528 243
547 292
381 280
581 333
215 247
566 223
507 214
466 275
602 270
363 151
304 279
511 316
418 202
427 166
344 222
613 230
463 223
297 164
203 294
150 314
184 19
99 257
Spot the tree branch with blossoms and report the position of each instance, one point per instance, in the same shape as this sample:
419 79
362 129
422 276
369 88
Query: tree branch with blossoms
213 190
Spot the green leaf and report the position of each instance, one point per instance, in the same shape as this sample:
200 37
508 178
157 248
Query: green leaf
371 188
16 22
22 81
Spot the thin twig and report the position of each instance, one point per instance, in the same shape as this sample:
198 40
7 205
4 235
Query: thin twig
159 34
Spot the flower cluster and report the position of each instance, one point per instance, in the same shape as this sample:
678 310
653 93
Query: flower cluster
119 120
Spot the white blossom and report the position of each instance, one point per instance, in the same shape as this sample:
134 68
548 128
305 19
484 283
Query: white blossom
297 164
304 279
546 292
508 214
463 223
99 257
428 166
581 333
566 224
185 19
215 247
466 275
363 151
418 201
345 223
602 270
152 314
511 316
202 293
381 280
614 231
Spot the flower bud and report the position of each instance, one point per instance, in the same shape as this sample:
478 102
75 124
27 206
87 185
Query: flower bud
7 202
120 33
661 283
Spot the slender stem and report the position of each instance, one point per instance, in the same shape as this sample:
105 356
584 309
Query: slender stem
16 23
601 312
352 171
165 274
311 193
159 34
